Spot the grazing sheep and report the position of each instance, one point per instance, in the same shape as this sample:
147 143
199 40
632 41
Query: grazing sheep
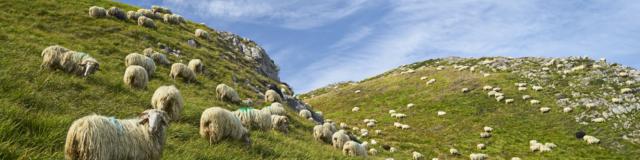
100 137
598 120
410 105
168 99
78 63
52 57
526 97
481 146
181 70
399 115
515 158
626 90
507 101
133 15
487 129
536 88
491 93
217 123
355 109
272 96
158 9
147 13
275 109
136 77
499 98
373 151
200 33
146 22
485 135
567 109
486 88
404 126
305 113
497 89
97 12
280 123
140 60
117 13
158 58
371 124
465 90
478 156
393 149
172 18
352 148
324 132
343 125
616 100
339 139
196 66
357 91
454 151
423 78
226 93
253 118
417 155
441 113
545 109
534 102
431 81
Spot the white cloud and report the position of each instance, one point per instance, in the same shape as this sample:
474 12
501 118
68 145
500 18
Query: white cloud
294 14
352 37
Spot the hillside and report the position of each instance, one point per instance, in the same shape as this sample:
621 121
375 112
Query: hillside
588 90
38 106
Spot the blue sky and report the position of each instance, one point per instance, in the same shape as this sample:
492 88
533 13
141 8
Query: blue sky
316 43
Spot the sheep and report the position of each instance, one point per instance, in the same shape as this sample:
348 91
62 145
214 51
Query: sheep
499 98
534 102
158 9
393 149
181 70
253 118
454 151
507 101
478 156
355 109
339 138
417 156
486 88
399 115
625 90
146 13
100 137
522 88
485 135
146 22
371 124
515 158
324 132
373 151
275 109
591 139
172 18
343 125
135 77
305 113
598 120
280 123
616 100
404 126
79 63
441 113
567 109
392 111
133 15
465 90
272 96
481 146
491 93
196 66
200 33
97 12
157 57
410 105
440 68
487 129
545 109
352 148
217 124
117 13
357 91
536 88
374 142
52 57
168 99
497 89
140 60
423 78
431 81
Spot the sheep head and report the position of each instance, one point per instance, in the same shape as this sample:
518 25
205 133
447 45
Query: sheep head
90 67
157 120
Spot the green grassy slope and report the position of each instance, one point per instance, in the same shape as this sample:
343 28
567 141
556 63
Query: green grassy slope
38 106
466 113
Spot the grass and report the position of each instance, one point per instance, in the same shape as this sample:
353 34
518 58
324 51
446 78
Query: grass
38 106
466 114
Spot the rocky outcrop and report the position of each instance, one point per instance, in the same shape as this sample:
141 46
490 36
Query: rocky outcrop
253 53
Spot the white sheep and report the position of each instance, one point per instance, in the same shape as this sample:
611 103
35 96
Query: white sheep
280 123
392 111
117 13
481 146
100 137
515 158
78 63
168 99
487 129
485 135
136 77
497 89
454 151
486 88
417 155
133 15
339 138
343 125
431 81
522 88
200 33
159 58
545 109
499 98
405 126
526 97
534 102
253 118
352 148
181 70
423 78
226 93
410 105
373 151
616 100
399 115
598 120
146 22
536 88
567 109
324 132
140 60
159 9
275 109
52 57
97 12
146 12
478 156
378 132
371 124
357 91
355 109
507 101
625 90
491 93
465 90
217 124
272 96
172 18
591 139
441 113
393 149
306 114
196 66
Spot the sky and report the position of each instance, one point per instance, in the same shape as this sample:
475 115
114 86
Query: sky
316 43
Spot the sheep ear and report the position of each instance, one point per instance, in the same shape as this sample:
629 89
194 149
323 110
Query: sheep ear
144 118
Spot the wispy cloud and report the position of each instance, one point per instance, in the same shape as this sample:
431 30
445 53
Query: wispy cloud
352 37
